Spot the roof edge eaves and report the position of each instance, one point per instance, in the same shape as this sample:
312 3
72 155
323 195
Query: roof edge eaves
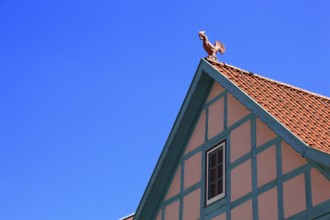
127 216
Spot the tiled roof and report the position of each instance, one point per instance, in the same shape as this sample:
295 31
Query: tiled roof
305 114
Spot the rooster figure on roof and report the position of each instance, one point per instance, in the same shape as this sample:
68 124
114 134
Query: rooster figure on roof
210 48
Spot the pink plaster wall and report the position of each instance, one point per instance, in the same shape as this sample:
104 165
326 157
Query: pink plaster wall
267 205
198 135
243 211
320 187
216 90
290 158
294 195
216 118
266 166
264 133
241 180
240 141
172 211
174 188
191 205
220 217
236 110
192 170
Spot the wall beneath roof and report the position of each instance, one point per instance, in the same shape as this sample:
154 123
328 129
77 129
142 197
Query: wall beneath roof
265 177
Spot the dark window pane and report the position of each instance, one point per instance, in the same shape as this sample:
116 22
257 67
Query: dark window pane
212 191
212 175
220 171
220 155
220 187
213 160
215 173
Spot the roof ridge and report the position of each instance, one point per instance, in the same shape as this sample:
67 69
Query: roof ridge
271 80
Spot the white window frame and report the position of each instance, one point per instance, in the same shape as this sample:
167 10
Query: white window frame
220 196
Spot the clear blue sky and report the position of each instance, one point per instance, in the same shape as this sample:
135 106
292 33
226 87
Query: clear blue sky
89 90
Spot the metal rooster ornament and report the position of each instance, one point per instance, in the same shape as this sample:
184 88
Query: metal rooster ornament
211 49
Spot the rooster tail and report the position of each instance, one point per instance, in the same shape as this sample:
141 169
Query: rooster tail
220 47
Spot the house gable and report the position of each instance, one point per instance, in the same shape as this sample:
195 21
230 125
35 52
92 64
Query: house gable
256 155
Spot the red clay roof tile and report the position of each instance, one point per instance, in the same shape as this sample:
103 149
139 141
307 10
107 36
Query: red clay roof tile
305 114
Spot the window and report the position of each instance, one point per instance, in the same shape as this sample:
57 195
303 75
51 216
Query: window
215 173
